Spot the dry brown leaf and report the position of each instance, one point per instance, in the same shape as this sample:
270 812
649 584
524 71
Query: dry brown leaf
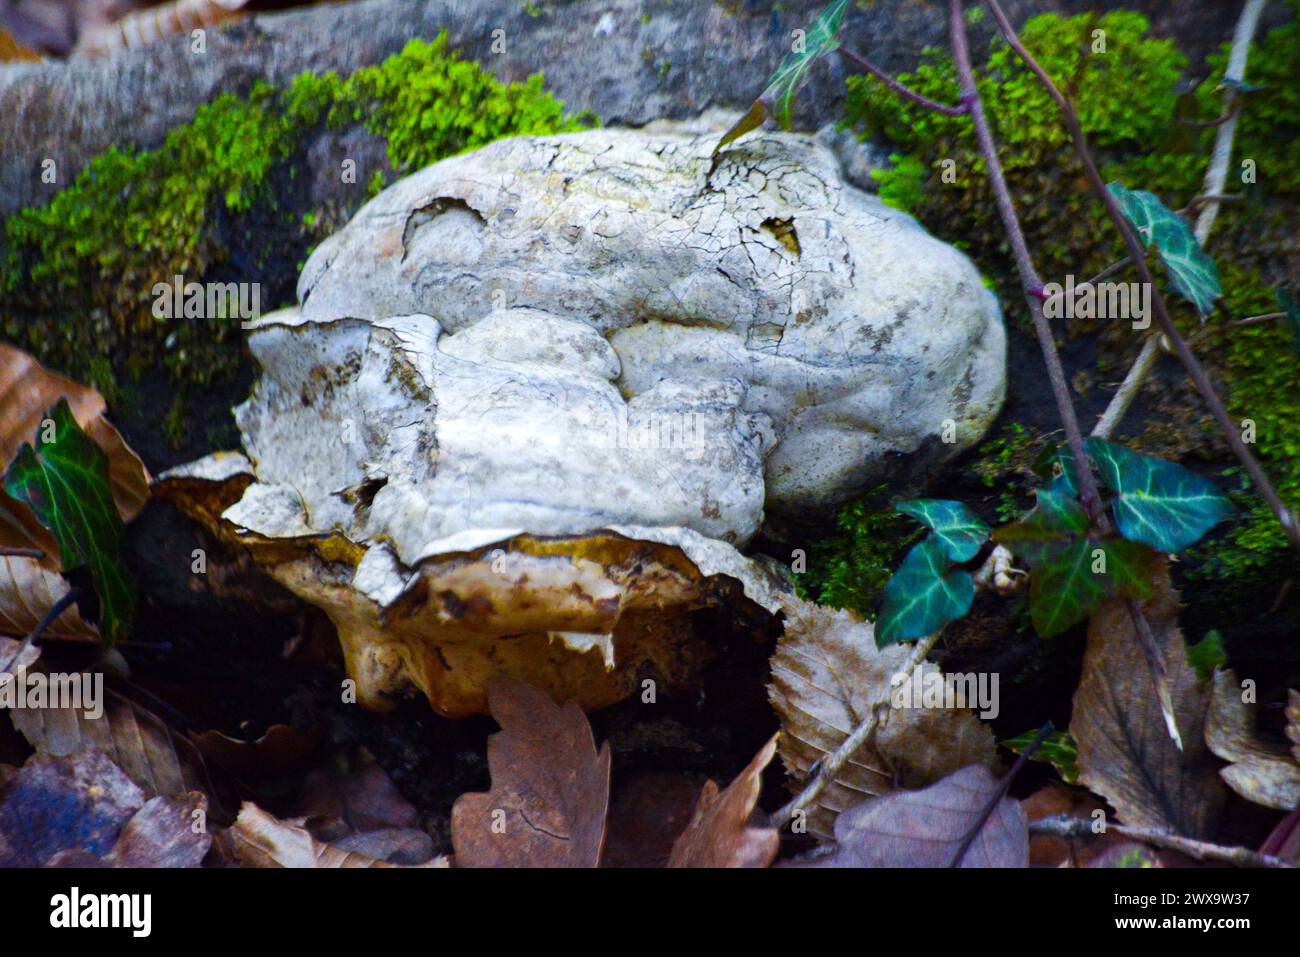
27 392
12 661
135 739
926 828
282 749
1260 772
28 590
83 811
720 834
1125 752
336 804
258 839
550 787
140 29
827 674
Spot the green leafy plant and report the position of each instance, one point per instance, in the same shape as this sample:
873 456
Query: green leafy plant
927 591
1058 749
777 98
64 480
1193 273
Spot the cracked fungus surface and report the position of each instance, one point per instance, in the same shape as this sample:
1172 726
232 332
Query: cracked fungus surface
556 336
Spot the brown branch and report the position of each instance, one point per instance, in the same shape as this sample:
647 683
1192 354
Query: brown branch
1089 495
1137 253
862 63
1064 826
828 769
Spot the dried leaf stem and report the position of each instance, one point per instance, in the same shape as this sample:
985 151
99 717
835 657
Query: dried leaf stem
1065 826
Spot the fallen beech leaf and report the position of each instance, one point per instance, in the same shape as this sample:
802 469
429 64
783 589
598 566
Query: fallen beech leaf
720 834
258 839
827 674
83 811
550 787
28 590
1125 753
141 28
8 650
1262 773
166 832
926 828
135 739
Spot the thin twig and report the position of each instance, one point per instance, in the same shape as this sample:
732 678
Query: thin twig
1215 178
7 551
909 94
999 793
1089 495
1064 826
1128 389
1217 174
830 768
1137 253
57 609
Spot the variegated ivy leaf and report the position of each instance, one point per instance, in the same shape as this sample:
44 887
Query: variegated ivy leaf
777 99
956 526
64 481
924 595
1193 273
1073 569
1158 503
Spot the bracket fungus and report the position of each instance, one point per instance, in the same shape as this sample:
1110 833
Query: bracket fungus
536 397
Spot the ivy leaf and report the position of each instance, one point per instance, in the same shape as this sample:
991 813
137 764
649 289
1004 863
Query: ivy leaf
923 596
1158 503
66 486
1058 749
1074 570
1193 273
777 99
956 526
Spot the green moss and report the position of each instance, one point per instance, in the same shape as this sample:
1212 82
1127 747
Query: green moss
903 186
1064 224
1005 463
850 568
222 200
1130 101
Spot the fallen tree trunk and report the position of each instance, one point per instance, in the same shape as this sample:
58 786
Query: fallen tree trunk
629 61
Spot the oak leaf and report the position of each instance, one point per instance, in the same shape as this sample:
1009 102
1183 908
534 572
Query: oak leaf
550 787
720 834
